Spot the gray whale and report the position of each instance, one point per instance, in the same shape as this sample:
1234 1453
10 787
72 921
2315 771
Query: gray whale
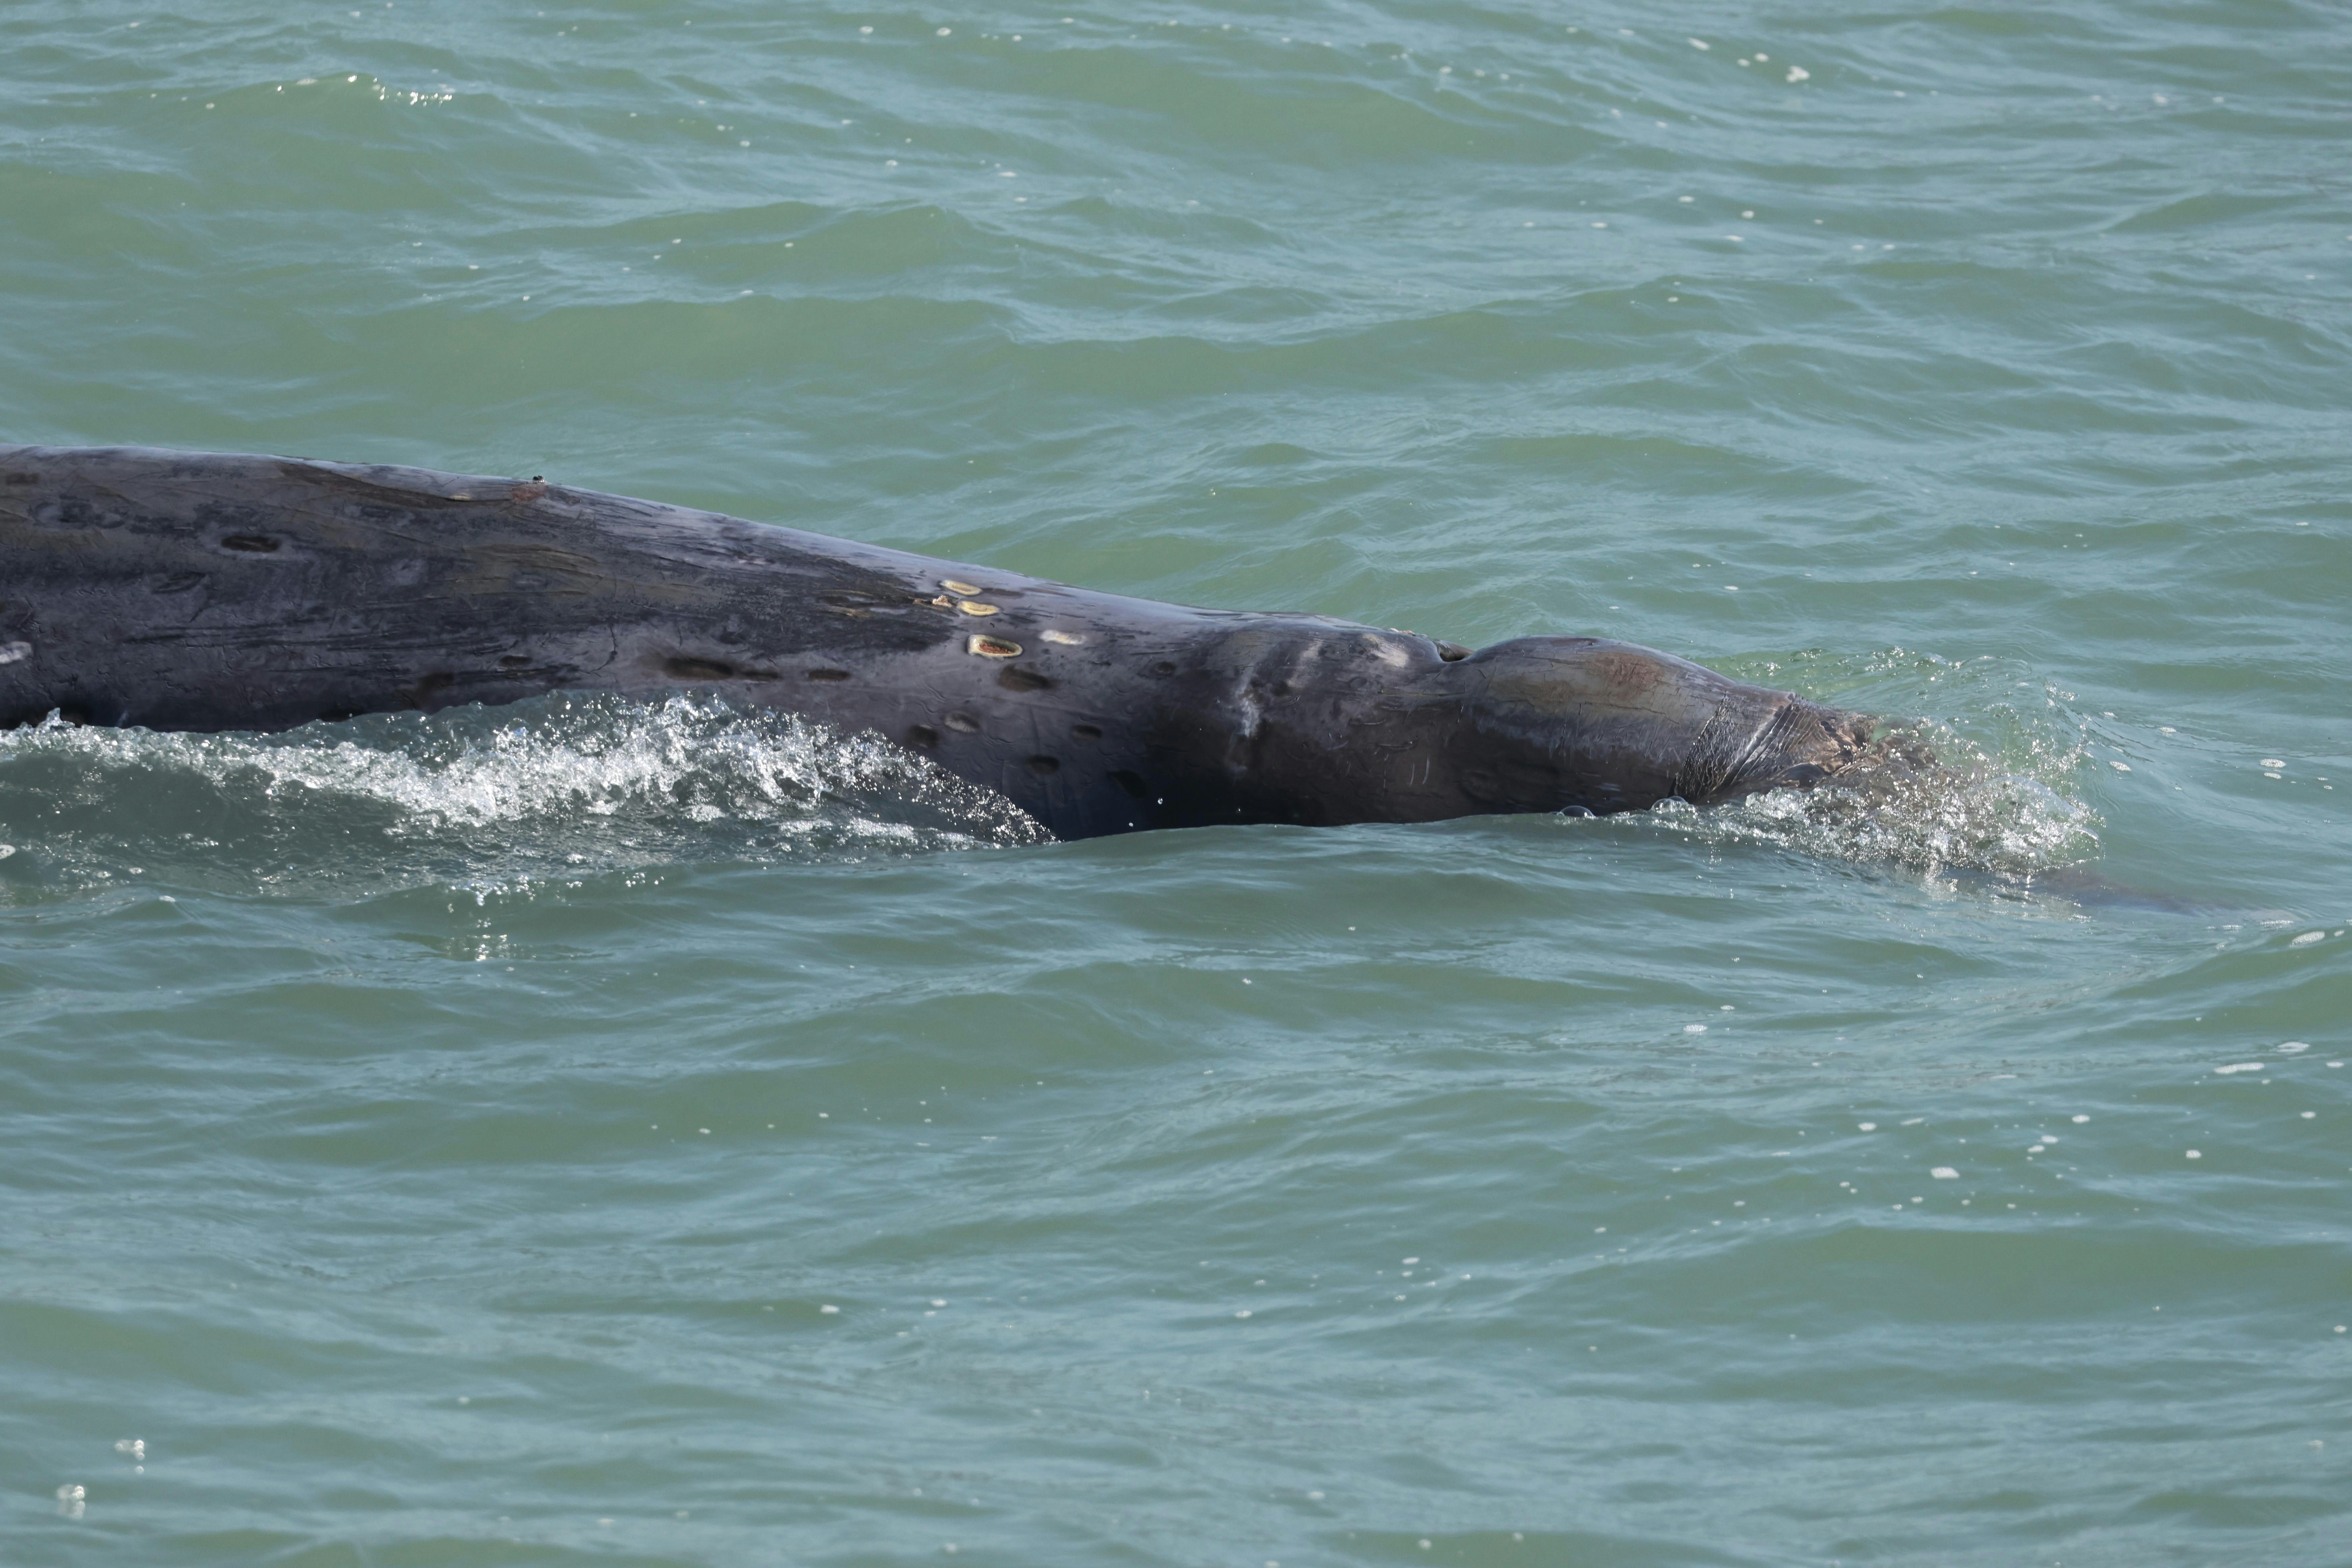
200 591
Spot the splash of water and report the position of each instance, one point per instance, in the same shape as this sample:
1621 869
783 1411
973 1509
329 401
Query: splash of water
1996 798
564 782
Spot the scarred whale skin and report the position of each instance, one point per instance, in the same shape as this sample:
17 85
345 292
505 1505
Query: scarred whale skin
199 590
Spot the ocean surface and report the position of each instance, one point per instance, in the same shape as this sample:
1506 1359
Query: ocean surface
588 1132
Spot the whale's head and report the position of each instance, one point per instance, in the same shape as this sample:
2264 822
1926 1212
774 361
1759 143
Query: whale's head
1563 724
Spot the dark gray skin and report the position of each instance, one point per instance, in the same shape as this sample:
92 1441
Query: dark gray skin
194 590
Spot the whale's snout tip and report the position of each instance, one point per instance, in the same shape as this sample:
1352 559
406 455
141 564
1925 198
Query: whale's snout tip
1790 743
1859 749
1829 741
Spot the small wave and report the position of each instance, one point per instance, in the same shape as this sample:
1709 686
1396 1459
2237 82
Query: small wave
562 782
1985 789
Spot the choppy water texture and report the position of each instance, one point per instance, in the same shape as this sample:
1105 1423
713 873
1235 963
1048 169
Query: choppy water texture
590 1132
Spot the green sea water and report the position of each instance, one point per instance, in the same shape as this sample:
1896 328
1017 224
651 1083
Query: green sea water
596 1134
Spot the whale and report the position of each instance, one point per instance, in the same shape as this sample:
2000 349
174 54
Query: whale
194 591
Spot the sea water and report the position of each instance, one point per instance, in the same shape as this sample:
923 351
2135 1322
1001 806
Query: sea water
593 1132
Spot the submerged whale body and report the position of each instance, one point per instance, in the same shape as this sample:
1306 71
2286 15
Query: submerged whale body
194 590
